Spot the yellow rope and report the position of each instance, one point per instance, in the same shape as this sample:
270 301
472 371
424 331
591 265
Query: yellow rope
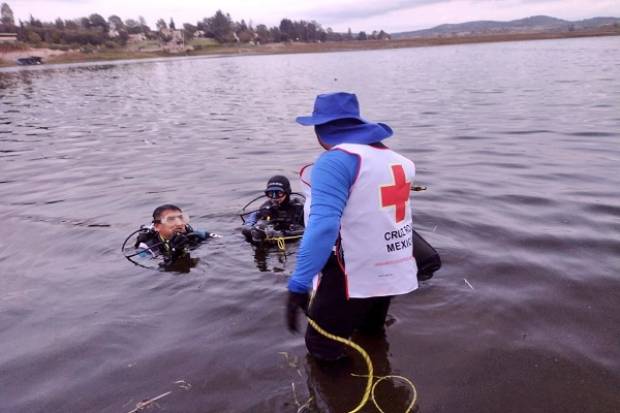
283 238
369 392
365 356
406 380
281 241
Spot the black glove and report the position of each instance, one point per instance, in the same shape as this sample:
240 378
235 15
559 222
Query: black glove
178 243
294 303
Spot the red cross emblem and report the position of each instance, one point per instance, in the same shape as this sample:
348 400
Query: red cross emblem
396 195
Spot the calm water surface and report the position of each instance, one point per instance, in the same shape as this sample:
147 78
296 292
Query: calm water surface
518 144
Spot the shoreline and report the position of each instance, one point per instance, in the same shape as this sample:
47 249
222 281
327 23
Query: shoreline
59 57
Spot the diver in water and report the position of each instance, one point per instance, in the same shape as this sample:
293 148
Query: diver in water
280 211
171 237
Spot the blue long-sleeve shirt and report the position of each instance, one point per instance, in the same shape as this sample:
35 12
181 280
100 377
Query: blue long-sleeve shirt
333 174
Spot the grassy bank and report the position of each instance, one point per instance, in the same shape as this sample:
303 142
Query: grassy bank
297 47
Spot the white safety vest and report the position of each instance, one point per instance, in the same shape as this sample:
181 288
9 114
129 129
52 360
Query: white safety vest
376 225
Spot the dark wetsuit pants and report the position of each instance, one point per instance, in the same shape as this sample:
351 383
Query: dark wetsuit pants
338 315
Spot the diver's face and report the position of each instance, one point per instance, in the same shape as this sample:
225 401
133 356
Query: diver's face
277 196
170 223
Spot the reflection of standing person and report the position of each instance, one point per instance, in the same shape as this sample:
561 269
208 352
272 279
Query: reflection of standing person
335 389
359 232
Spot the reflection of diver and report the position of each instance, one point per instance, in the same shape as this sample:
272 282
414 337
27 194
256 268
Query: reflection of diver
279 219
334 388
170 237
265 254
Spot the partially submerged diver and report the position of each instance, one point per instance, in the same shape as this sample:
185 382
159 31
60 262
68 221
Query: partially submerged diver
280 217
170 237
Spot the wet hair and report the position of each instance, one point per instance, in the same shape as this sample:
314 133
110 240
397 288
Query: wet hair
161 209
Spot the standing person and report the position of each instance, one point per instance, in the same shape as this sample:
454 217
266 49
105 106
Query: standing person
358 238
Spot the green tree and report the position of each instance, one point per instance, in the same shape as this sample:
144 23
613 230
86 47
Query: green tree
383 35
7 17
220 26
35 22
60 24
330 35
97 21
242 27
276 34
116 23
161 24
85 23
349 35
362 36
287 30
34 38
136 26
143 26
71 25
132 24
264 36
172 25
189 30
312 32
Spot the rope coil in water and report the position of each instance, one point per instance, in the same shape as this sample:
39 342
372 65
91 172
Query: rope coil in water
369 392
281 241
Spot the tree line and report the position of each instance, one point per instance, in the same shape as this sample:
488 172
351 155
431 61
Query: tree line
95 30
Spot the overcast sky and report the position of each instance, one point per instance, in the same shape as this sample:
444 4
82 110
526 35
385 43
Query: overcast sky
368 15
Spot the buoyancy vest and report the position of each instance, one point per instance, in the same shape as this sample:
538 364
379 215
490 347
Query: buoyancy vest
154 244
290 212
376 224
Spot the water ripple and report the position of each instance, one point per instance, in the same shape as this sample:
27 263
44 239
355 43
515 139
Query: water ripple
522 204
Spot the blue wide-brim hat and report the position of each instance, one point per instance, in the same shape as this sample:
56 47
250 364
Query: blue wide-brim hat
336 117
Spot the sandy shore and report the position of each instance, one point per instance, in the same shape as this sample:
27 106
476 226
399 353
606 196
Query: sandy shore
57 56
9 58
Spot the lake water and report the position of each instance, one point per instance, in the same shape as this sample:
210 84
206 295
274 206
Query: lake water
518 144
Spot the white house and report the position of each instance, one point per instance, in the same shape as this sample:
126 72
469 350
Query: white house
8 37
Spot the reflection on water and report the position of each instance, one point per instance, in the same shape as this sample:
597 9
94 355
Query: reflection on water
271 258
326 382
517 143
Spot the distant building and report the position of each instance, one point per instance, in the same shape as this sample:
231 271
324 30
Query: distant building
113 30
8 37
173 40
135 38
175 36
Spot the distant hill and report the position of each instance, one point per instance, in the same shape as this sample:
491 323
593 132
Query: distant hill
534 24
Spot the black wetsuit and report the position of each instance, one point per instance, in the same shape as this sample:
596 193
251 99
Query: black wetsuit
287 213
171 250
288 216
